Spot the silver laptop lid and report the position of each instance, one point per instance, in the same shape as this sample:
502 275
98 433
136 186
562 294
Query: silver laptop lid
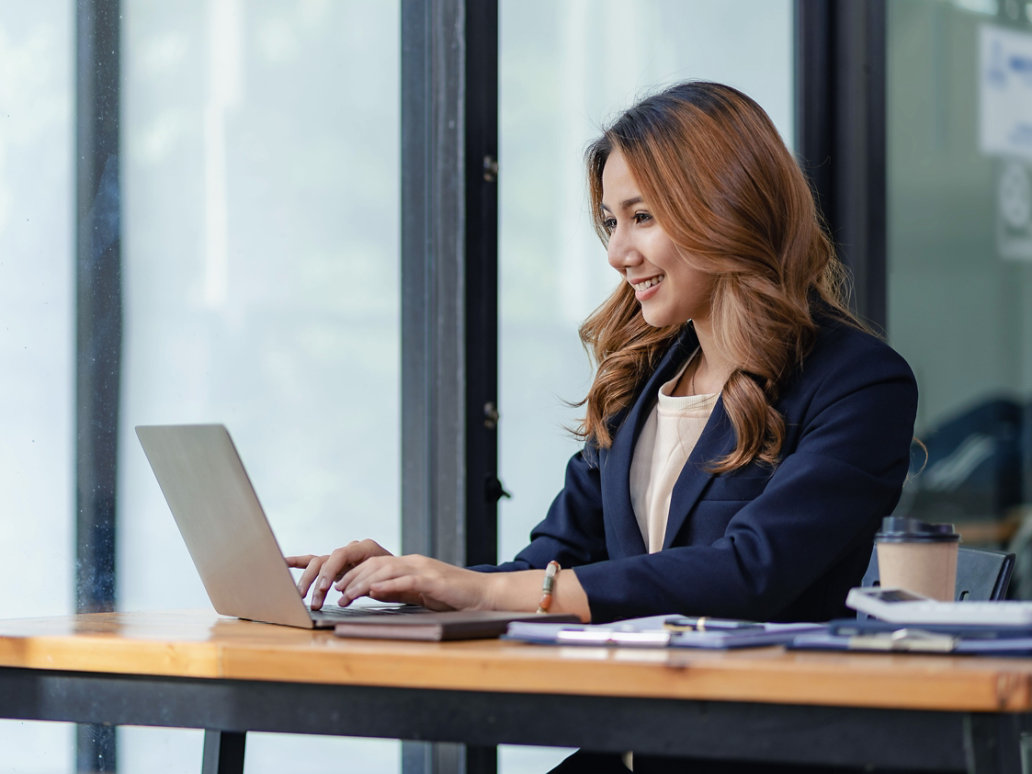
222 523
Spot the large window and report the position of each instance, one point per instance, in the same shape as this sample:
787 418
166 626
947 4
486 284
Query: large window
259 174
37 339
260 157
960 259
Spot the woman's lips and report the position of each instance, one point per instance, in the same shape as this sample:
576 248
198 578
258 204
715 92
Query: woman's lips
646 288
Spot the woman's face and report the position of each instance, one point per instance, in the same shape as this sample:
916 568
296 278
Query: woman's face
669 290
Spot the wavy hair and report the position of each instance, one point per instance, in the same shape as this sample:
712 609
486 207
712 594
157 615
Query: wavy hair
726 190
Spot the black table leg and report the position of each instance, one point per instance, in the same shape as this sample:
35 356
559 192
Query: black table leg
994 743
223 752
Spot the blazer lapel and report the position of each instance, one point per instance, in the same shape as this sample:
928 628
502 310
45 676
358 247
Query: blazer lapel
717 440
616 486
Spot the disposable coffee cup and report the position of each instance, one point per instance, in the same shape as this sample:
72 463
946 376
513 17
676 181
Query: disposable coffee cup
918 556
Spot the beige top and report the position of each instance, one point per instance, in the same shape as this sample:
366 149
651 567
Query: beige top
667 439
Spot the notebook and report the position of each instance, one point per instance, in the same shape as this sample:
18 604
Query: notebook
451 625
234 549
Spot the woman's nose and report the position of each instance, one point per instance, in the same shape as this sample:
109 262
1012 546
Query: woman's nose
621 252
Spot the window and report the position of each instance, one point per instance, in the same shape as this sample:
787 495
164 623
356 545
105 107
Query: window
960 261
37 339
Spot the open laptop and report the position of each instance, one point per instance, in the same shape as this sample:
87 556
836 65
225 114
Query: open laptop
225 529
233 547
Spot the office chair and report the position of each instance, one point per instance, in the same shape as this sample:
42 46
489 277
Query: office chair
982 574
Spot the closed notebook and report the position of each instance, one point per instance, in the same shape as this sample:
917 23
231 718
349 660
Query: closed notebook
448 625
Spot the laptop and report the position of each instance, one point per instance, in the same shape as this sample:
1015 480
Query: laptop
235 551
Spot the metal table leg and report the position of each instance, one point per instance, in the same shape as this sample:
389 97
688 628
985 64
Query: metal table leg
223 752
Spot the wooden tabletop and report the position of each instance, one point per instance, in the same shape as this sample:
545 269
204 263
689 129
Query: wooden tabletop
203 644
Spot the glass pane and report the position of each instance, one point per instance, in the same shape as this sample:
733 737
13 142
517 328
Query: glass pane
261 147
960 258
565 69
37 340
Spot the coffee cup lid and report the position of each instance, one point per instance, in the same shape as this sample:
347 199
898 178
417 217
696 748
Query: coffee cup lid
900 529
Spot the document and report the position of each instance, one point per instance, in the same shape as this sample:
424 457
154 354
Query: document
881 636
857 626
662 631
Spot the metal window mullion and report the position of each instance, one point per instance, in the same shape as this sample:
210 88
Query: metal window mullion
840 121
481 281
98 327
449 278
432 321
433 315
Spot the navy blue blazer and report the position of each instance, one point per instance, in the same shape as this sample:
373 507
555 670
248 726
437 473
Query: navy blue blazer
774 545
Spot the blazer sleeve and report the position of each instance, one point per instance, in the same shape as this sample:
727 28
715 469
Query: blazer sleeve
850 422
572 532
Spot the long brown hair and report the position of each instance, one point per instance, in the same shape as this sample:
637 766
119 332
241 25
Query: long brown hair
726 190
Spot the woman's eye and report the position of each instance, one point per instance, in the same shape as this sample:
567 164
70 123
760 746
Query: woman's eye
609 224
642 217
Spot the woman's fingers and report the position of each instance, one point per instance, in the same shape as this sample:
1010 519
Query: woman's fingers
414 579
319 572
340 562
299 561
407 589
311 570
365 568
355 582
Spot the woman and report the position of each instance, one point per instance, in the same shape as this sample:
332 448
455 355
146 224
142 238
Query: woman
744 435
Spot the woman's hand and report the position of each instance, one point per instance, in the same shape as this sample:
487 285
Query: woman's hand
365 568
417 580
321 571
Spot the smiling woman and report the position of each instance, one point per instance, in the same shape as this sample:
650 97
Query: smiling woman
757 499
667 285
745 242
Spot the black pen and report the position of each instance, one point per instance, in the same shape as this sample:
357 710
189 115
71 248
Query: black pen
706 624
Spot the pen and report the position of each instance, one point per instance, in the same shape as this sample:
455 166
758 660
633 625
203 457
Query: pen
706 624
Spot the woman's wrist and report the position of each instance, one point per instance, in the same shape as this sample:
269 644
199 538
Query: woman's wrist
499 590
521 590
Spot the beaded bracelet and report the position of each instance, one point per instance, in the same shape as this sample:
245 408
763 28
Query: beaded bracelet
551 571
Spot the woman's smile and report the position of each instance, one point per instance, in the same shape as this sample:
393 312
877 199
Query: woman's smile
646 288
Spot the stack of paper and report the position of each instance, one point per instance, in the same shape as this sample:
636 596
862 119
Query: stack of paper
662 631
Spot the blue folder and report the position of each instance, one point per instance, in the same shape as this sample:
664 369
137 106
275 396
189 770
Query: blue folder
658 632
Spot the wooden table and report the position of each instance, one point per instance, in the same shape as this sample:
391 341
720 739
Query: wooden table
197 670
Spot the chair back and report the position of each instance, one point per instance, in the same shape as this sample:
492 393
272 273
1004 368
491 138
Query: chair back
982 574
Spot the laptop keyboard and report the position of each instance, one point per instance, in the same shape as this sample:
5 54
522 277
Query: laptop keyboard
336 611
